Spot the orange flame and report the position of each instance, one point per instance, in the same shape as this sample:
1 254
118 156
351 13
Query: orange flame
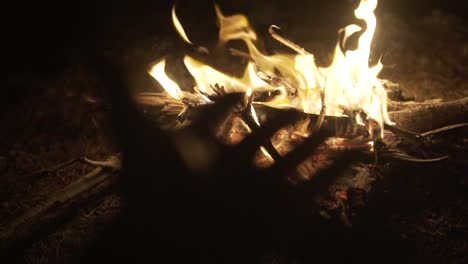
349 83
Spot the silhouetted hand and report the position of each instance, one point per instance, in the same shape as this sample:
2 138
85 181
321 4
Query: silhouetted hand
190 198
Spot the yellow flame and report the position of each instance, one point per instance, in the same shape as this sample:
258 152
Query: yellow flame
233 27
178 26
171 87
371 145
251 80
206 77
349 83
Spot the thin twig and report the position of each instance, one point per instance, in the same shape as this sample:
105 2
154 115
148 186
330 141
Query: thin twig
276 81
442 129
406 157
410 137
323 110
239 53
286 42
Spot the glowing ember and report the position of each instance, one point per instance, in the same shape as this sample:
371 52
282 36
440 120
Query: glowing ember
347 85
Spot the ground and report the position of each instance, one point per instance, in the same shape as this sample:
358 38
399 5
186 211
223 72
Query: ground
65 116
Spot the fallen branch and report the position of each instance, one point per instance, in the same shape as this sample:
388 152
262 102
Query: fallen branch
45 217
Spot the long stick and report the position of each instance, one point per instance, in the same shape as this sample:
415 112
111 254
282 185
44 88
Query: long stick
30 226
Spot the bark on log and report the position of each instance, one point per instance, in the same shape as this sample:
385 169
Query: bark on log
413 116
427 116
47 216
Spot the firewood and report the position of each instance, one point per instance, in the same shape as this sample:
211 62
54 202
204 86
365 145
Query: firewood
405 105
413 116
60 206
431 115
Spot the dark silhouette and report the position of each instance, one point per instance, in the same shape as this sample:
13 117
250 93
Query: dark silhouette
231 212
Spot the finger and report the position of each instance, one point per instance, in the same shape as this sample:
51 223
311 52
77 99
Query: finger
262 134
210 115
249 120
290 161
144 144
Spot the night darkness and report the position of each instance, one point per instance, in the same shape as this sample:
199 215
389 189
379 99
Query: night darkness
42 37
61 58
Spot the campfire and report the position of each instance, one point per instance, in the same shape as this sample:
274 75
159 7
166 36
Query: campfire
348 90
347 96
348 87
349 140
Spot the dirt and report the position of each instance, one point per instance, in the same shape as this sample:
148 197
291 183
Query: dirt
66 117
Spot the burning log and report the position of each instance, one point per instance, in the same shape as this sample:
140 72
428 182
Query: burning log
45 217
412 116
360 179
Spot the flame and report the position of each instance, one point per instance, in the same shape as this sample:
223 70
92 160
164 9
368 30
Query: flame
233 27
348 84
178 26
351 83
171 87
371 145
